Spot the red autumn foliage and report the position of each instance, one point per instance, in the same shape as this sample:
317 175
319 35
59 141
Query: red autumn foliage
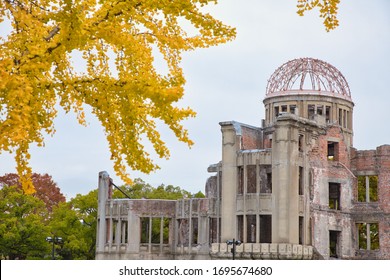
46 189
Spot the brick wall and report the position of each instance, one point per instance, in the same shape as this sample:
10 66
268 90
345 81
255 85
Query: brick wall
251 138
383 163
375 162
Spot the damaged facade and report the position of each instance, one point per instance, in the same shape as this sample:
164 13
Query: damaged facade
294 188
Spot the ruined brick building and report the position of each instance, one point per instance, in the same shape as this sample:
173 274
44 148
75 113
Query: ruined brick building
294 188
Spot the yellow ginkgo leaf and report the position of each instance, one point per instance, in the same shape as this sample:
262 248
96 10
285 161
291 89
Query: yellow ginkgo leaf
127 96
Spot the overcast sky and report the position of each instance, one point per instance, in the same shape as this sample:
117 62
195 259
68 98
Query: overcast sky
228 83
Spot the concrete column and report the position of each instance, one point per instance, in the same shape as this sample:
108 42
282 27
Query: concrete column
258 200
334 113
203 233
244 195
134 232
218 203
150 235
123 232
285 154
161 234
103 195
257 228
299 109
368 235
176 234
230 145
190 227
110 231
118 231
304 112
172 234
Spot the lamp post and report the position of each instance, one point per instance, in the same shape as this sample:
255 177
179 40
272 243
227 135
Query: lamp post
54 240
234 243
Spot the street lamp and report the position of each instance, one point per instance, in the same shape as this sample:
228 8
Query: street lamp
234 243
54 240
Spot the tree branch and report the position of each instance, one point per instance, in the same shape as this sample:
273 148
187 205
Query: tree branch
52 33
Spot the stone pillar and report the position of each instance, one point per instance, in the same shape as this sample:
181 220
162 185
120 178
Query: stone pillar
134 232
230 145
118 231
285 170
203 233
103 196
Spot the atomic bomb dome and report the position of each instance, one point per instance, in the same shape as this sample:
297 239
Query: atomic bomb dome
311 89
308 75
294 188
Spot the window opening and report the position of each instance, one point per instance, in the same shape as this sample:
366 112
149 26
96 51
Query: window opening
264 179
340 117
194 231
240 189
125 234
251 228
293 109
327 114
333 148
300 143
265 229
300 230
334 196
300 181
240 227
333 243
344 118
114 231
368 236
213 228
368 188
156 230
276 110
320 109
269 182
251 178
310 111
166 223
145 229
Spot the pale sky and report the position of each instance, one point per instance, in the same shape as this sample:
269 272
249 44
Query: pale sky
228 82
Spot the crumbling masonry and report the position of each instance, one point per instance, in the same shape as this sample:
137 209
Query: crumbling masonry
294 188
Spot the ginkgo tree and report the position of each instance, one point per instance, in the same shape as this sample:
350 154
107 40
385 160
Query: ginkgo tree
128 96
327 8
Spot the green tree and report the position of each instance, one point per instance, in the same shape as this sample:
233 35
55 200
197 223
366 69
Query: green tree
140 189
23 225
199 194
117 40
75 221
169 192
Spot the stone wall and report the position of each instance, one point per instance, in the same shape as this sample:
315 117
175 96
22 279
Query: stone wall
266 251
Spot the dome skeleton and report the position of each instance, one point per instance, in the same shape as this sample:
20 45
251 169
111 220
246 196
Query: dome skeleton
321 76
